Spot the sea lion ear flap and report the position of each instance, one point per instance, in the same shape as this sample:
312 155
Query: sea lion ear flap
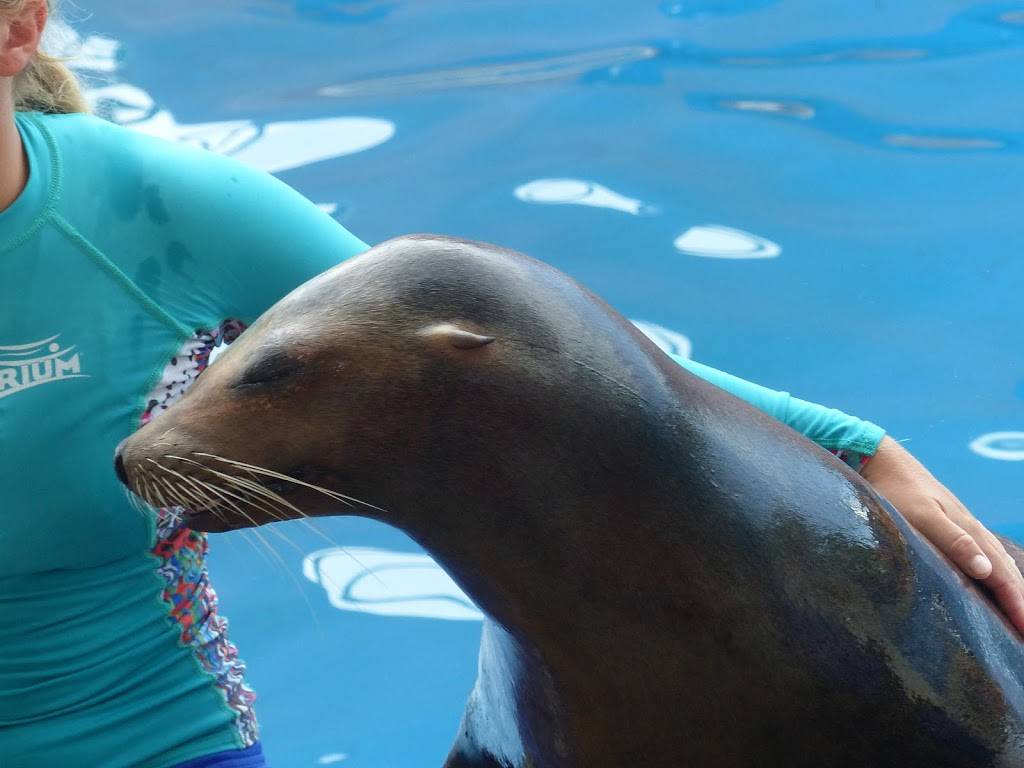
454 336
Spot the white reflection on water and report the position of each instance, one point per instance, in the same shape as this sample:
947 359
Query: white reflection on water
844 122
286 145
273 147
795 109
388 583
581 192
1003 446
717 242
332 758
825 57
941 142
503 73
123 103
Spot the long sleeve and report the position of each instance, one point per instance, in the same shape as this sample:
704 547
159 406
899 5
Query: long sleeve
854 440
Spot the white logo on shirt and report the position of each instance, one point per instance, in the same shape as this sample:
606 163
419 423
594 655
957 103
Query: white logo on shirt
27 365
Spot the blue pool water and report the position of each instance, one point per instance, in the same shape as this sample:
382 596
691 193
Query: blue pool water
821 196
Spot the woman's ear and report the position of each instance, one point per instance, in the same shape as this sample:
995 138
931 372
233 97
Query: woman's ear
19 37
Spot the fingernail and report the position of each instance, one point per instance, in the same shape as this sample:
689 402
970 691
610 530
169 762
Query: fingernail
979 567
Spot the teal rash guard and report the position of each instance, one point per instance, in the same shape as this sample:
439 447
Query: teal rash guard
125 261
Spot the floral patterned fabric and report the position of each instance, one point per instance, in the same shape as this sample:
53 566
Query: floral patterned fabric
185 367
190 598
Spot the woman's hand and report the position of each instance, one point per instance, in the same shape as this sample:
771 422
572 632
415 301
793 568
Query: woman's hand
940 517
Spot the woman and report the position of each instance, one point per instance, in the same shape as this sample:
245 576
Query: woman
125 260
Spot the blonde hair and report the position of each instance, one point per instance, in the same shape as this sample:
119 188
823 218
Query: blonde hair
46 84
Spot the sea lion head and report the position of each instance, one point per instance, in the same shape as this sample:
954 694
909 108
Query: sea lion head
427 365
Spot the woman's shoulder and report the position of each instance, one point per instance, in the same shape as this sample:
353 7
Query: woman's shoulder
73 124
86 143
126 171
188 215
83 137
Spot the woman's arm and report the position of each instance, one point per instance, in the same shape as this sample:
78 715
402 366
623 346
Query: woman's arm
942 519
853 439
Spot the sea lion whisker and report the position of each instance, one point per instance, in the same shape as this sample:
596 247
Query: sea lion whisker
264 491
259 548
224 494
256 501
307 522
280 534
135 502
215 505
254 492
284 565
257 470
207 502
239 482
147 492
184 494
144 505
189 499
173 498
186 498
253 485
151 485
158 492
247 487
275 562
287 478
346 500
144 486
132 504
191 491
305 519
155 492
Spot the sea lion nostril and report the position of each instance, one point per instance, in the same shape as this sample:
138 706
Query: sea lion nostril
122 475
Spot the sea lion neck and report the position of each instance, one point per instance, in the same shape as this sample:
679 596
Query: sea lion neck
515 529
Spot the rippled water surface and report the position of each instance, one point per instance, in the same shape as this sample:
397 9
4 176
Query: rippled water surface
824 197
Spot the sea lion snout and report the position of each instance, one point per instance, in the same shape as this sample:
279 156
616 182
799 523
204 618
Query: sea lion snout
376 375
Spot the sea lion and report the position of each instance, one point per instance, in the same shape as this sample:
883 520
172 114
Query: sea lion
672 578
